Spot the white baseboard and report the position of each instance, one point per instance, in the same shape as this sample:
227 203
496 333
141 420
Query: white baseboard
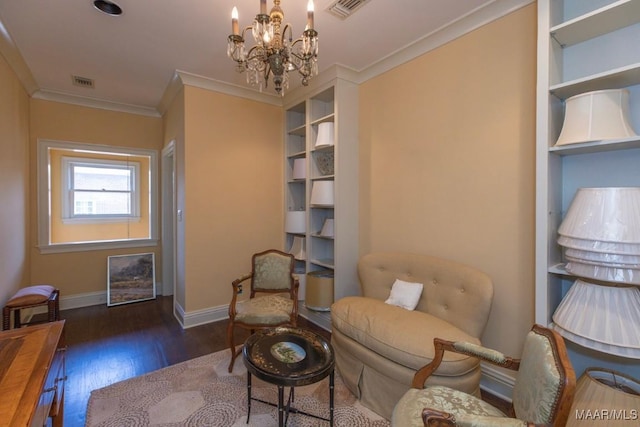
178 313
207 315
87 299
496 382
83 300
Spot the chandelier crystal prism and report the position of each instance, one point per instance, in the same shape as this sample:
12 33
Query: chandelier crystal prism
275 53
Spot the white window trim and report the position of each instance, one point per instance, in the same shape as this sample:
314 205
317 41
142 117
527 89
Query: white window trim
44 203
67 209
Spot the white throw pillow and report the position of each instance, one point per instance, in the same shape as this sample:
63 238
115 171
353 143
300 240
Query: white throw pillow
405 294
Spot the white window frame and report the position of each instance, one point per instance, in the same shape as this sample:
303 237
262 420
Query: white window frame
44 195
68 215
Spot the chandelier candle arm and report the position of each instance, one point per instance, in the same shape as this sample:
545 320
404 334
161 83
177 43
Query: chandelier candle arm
234 22
310 15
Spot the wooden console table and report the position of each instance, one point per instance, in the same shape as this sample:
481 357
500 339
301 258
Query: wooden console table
32 375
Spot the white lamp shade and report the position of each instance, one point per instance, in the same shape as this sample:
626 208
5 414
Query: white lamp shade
604 273
610 214
604 318
299 169
325 134
602 257
322 193
298 248
296 222
598 389
570 258
327 228
596 116
600 247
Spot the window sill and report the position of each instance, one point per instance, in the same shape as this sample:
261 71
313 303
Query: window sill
96 246
101 220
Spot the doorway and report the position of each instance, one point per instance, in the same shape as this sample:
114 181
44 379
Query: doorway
168 219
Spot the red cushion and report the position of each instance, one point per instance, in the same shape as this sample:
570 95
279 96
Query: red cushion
31 295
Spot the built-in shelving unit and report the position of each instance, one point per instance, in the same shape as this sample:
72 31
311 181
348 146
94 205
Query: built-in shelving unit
583 46
337 163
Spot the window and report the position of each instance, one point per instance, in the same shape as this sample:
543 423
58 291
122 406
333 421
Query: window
100 190
95 197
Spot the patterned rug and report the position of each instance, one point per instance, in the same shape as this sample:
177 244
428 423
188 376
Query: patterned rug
201 393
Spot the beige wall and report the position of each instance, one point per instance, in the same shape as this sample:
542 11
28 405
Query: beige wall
447 163
233 180
14 183
83 272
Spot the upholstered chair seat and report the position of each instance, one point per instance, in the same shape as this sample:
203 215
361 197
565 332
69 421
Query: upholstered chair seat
542 395
266 310
409 409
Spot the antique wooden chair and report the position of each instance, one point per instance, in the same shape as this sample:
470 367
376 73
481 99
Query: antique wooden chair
273 298
542 395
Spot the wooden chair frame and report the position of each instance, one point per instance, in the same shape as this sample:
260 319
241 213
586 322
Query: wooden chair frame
562 405
237 289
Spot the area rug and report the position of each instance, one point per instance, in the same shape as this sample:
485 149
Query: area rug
202 393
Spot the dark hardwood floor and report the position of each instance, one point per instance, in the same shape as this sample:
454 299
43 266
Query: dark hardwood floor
111 344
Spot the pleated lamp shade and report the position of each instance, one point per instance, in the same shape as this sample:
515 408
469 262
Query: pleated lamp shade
298 248
322 193
295 222
596 116
601 234
325 134
299 169
606 273
603 257
609 214
604 318
597 246
600 389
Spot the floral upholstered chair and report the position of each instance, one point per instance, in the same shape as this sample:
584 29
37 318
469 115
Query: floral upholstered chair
273 299
542 395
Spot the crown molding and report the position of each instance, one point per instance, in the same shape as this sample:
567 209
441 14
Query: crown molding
184 78
66 98
322 81
473 20
12 55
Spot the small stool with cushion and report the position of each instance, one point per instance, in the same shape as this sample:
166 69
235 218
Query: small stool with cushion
31 296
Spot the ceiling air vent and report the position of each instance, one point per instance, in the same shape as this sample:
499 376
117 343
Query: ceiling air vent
344 8
82 82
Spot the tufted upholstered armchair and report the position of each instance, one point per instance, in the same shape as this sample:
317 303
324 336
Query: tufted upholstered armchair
542 395
273 299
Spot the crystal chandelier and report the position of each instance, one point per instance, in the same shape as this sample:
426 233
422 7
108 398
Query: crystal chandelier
275 52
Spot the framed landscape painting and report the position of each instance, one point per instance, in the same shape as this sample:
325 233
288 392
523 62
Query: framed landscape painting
130 278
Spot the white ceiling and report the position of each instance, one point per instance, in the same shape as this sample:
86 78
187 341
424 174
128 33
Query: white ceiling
133 57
